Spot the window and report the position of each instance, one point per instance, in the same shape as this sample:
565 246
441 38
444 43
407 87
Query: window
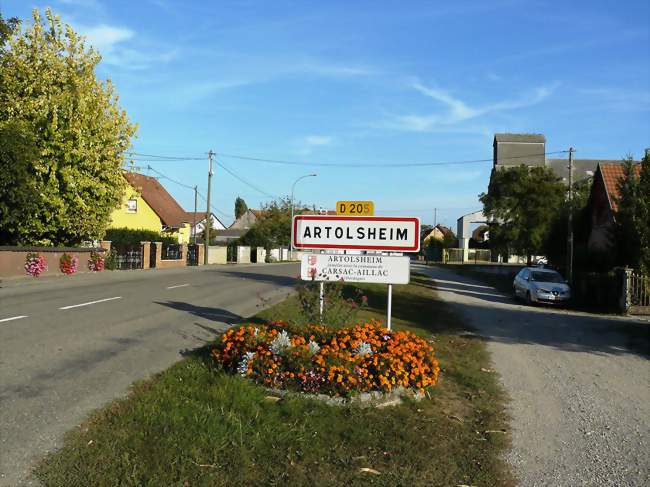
132 206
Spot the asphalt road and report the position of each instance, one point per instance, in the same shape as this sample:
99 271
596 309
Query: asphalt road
579 386
70 345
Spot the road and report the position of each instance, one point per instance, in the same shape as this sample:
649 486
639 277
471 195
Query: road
579 386
70 345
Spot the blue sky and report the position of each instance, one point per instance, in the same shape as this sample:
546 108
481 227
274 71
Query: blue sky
367 82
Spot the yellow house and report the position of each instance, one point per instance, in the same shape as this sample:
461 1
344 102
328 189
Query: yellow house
147 205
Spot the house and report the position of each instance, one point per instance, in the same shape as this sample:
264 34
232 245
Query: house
511 150
439 232
246 221
199 219
147 205
602 204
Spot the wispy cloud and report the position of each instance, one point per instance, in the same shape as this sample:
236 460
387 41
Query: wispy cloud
105 38
457 111
318 140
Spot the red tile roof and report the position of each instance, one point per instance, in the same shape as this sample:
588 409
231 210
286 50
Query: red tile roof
166 207
612 174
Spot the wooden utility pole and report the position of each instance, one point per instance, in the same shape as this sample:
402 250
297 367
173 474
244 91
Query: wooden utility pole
569 251
196 194
208 219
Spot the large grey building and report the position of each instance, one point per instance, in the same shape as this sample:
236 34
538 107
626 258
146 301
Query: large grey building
530 149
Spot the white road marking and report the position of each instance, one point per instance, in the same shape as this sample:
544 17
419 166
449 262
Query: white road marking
91 302
178 285
13 318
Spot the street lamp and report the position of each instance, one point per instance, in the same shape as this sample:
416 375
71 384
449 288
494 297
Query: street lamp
293 187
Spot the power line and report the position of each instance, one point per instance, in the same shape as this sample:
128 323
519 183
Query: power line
407 164
162 158
248 183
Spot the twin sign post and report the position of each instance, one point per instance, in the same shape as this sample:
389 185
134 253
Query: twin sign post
382 239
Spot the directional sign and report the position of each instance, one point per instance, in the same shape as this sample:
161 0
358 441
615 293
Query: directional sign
366 208
355 268
392 234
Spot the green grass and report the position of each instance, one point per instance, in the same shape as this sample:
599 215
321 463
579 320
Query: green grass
194 425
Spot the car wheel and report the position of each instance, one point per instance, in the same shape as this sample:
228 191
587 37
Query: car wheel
529 299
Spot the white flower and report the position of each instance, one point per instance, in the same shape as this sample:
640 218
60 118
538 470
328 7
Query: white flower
314 347
242 368
280 343
256 331
363 349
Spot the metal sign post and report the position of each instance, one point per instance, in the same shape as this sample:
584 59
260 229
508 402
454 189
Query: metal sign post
389 311
322 299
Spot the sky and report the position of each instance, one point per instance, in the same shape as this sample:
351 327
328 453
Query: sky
365 83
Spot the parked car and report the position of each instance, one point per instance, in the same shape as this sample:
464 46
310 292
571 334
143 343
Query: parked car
539 285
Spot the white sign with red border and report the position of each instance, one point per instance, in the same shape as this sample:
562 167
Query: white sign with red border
355 268
390 234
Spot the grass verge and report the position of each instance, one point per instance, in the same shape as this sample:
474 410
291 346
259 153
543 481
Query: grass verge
193 425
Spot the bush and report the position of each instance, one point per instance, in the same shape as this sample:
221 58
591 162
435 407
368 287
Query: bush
110 263
341 303
35 264
68 264
129 236
362 358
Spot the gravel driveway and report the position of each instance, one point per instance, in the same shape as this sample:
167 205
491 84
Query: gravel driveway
579 386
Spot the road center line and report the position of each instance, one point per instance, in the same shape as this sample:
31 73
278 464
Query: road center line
90 302
178 285
13 318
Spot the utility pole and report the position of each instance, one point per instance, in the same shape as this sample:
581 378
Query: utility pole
208 219
435 217
196 194
569 251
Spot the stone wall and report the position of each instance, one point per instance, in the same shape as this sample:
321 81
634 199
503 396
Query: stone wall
12 259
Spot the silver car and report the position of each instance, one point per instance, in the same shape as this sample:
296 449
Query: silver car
539 285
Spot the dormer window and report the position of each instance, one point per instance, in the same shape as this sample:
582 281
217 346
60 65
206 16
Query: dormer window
132 206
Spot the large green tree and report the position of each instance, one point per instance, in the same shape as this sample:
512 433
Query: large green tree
644 213
521 204
62 138
628 229
240 207
273 227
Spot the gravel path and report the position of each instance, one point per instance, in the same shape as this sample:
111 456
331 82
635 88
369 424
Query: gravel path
580 395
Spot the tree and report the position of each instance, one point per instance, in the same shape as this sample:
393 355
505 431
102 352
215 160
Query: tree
7 27
628 225
273 227
520 204
51 101
240 207
555 243
644 213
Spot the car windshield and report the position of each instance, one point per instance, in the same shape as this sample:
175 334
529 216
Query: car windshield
546 277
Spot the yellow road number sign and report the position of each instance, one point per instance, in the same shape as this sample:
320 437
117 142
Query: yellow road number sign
366 208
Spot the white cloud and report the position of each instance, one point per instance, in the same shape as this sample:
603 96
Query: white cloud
458 111
105 38
318 140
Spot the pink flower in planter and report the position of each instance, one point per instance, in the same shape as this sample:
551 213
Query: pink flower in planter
35 264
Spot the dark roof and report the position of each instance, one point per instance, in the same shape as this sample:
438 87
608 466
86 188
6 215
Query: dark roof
166 207
582 168
231 232
200 216
539 138
612 174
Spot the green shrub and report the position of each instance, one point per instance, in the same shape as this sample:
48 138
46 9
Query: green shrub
128 236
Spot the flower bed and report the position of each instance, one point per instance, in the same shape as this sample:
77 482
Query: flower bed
341 362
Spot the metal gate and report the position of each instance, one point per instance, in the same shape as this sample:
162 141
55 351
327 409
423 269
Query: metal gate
128 256
639 293
192 254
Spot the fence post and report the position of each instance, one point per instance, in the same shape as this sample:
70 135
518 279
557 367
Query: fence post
625 276
146 254
184 251
158 252
106 245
